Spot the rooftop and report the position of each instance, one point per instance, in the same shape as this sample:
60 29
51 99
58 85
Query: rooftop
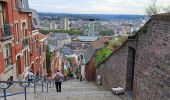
59 36
87 38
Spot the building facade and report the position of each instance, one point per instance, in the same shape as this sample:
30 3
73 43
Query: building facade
65 23
18 30
92 27
59 39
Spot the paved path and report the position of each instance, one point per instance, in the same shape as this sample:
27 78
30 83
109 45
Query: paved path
72 91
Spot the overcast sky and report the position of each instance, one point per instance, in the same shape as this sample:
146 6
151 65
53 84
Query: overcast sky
92 6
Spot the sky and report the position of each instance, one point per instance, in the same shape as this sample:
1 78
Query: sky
93 6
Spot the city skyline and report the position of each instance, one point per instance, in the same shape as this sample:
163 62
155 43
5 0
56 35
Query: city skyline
136 7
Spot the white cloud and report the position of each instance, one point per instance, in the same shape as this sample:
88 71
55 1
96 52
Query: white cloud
93 6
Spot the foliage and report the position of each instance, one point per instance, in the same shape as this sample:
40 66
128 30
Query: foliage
152 8
143 29
44 31
70 32
102 54
116 42
106 32
70 59
48 59
167 9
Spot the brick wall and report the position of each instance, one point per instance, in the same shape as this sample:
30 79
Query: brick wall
152 77
90 71
113 70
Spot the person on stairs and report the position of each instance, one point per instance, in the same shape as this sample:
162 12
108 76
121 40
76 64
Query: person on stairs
58 80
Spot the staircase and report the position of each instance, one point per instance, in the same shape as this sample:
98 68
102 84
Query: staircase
71 90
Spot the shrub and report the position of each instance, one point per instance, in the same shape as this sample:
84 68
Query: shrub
102 54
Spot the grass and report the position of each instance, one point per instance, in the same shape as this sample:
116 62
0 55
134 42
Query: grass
102 54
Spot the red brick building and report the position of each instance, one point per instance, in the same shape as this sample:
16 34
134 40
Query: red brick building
90 69
20 41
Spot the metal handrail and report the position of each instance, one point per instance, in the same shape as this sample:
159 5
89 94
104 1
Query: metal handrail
25 84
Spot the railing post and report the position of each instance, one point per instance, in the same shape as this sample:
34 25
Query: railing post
50 84
53 83
42 86
47 87
34 86
25 90
5 98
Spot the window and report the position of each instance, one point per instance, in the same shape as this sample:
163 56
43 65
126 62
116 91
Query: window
15 4
24 29
44 48
22 3
26 58
41 51
32 49
7 54
35 21
2 15
16 32
44 65
36 43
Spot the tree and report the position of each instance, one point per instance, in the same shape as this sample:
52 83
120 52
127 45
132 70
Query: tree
167 9
106 32
48 59
152 8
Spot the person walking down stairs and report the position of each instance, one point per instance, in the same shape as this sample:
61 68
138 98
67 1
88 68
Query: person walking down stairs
58 79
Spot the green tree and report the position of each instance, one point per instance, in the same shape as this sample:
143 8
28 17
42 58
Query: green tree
106 32
102 54
70 59
48 59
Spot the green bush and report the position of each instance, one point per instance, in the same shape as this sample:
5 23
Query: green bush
107 32
48 59
116 42
102 54
70 59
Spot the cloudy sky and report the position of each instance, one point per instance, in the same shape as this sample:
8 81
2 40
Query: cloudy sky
92 6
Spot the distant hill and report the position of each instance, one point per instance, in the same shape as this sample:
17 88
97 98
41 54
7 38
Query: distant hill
98 16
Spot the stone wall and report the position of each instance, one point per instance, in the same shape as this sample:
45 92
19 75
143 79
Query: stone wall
113 70
151 73
152 68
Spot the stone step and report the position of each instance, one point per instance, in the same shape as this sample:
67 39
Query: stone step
70 91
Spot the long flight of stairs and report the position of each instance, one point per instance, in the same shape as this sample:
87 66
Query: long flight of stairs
72 90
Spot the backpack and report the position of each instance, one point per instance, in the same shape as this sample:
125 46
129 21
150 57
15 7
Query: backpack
57 78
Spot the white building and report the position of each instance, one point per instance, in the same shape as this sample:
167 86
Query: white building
53 25
92 27
65 23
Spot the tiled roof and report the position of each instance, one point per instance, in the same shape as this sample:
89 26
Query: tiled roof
59 36
89 54
98 44
41 36
87 38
